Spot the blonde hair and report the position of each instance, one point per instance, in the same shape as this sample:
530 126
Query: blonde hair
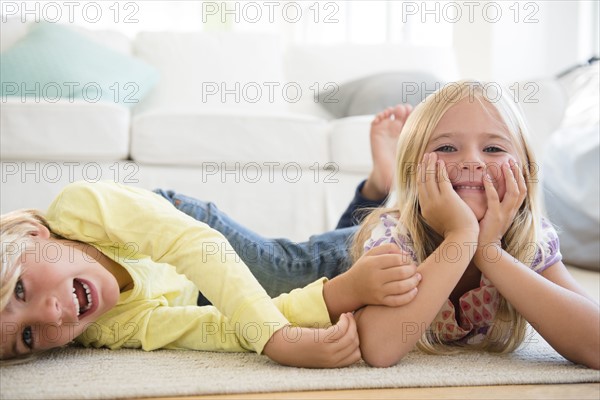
509 327
16 229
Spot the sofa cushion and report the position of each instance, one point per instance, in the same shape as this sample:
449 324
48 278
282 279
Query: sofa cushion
53 62
220 136
314 67
226 70
370 95
349 145
63 131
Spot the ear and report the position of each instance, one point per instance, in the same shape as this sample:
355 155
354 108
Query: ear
40 231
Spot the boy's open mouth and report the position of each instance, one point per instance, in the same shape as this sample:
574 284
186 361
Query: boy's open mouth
82 297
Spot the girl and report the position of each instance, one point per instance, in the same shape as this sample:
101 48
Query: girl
467 211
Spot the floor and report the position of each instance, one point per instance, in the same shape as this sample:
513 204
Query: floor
589 280
589 391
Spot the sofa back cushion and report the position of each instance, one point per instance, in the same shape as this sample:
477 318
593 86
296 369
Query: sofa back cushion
221 70
319 68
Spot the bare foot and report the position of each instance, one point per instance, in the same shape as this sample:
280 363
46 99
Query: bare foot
385 131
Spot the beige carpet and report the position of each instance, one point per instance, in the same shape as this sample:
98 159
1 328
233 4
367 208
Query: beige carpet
76 373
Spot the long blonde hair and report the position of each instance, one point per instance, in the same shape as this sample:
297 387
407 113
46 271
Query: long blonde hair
523 240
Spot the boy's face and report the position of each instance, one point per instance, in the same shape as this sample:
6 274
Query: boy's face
61 291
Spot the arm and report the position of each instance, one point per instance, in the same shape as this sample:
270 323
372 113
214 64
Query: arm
126 218
553 303
384 275
138 223
388 334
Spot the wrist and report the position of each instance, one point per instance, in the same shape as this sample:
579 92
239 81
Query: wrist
340 296
470 235
487 252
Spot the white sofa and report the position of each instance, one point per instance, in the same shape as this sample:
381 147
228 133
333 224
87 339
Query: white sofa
282 167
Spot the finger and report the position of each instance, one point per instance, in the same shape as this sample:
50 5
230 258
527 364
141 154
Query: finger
400 299
510 180
350 336
493 201
339 329
402 286
520 178
431 183
511 201
386 248
349 352
444 180
345 350
394 261
421 188
398 272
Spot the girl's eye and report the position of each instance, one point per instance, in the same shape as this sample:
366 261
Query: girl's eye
446 148
493 149
20 290
27 337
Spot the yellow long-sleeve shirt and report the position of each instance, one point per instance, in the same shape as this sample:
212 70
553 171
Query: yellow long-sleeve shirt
170 256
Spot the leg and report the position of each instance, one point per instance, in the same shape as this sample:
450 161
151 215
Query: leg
280 265
372 193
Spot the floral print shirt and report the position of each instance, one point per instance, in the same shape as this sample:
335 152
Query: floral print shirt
478 306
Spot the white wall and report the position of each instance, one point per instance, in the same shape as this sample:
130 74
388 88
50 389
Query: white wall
529 40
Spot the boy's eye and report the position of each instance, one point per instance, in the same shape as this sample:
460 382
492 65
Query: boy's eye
20 290
446 148
492 149
27 337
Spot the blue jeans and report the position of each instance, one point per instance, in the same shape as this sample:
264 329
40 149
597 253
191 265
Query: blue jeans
280 265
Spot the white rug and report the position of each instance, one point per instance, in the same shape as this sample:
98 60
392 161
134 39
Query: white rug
76 373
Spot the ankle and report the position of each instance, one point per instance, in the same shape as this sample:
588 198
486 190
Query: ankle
372 191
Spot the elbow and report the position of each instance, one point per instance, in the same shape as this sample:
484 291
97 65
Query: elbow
590 360
585 350
382 358
379 347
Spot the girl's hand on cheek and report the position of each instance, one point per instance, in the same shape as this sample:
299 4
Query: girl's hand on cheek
500 214
441 206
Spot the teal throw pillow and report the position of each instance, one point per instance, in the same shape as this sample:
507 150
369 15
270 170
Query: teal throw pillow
55 63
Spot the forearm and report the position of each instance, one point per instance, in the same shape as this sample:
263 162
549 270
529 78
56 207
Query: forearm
387 334
339 296
567 320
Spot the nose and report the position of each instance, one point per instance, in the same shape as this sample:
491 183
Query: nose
471 161
49 311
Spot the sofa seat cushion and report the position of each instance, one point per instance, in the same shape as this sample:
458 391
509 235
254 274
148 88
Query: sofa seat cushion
349 143
78 131
227 138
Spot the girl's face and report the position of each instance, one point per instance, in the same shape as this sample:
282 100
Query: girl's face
473 141
62 290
